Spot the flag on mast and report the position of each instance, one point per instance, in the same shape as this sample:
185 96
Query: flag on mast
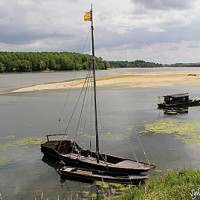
88 16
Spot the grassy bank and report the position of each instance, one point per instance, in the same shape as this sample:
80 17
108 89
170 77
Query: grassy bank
175 185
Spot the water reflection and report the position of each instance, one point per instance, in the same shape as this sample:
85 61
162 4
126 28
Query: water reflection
95 191
34 114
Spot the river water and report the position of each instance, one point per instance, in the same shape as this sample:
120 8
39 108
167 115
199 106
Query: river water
27 117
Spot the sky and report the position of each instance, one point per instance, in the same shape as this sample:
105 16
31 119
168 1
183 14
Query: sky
161 31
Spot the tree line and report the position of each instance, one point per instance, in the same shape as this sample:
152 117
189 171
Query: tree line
136 63
60 61
40 61
183 65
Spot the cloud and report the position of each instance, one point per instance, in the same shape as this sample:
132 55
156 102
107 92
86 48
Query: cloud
156 29
27 21
166 53
166 4
131 27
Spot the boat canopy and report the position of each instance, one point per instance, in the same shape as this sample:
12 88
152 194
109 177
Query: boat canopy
180 95
172 99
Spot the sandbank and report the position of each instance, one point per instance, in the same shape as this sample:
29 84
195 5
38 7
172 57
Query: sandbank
141 80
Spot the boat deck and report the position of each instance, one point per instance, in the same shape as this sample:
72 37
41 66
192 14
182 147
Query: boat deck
129 164
123 164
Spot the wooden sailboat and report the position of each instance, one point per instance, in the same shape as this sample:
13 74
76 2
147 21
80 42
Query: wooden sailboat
91 175
73 155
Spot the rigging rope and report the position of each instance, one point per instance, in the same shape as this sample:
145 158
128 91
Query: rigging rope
65 132
144 152
69 91
86 103
131 148
86 89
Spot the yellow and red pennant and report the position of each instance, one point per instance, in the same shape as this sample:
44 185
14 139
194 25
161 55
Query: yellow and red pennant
88 16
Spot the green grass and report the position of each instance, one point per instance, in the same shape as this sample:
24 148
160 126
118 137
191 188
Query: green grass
174 185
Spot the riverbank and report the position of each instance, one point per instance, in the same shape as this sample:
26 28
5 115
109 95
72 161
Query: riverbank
144 80
180 184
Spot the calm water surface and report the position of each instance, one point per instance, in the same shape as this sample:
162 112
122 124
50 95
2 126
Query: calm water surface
123 113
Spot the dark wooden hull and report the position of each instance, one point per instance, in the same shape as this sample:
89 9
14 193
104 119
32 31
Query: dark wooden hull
174 111
87 159
179 105
85 175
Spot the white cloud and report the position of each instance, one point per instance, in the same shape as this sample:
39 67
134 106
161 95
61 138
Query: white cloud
167 4
156 29
166 53
124 29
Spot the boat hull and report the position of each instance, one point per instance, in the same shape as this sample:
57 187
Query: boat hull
85 175
87 159
178 105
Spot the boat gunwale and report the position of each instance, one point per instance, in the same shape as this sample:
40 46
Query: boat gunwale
75 156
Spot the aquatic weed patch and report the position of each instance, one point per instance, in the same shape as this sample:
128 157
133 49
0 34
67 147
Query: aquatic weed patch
116 190
186 131
3 160
23 142
30 140
107 134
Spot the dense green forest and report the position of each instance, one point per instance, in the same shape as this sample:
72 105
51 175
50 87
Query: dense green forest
59 61
40 61
184 65
136 63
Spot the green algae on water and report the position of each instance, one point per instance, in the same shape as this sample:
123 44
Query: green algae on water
29 140
3 160
23 142
186 131
114 190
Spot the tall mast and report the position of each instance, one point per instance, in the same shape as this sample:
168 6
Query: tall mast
95 93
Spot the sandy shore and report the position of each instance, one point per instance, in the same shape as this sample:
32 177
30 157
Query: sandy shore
130 80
